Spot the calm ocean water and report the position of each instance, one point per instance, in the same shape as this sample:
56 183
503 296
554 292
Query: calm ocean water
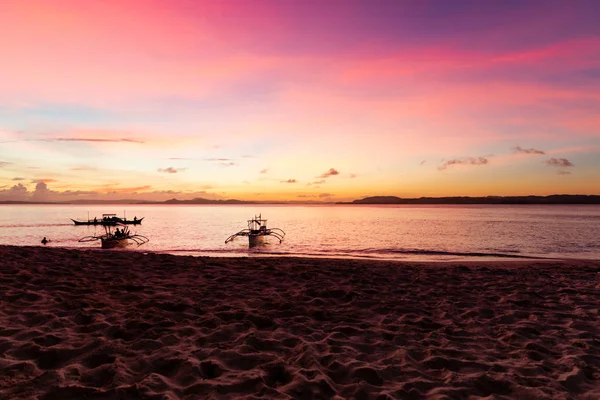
390 232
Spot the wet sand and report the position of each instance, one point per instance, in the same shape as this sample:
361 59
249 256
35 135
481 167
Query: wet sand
121 324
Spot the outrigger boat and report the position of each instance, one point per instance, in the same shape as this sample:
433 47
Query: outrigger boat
256 232
117 238
109 219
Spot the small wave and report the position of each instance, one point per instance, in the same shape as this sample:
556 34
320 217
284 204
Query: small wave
429 252
352 253
32 225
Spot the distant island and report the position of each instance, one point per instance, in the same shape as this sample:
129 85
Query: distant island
552 199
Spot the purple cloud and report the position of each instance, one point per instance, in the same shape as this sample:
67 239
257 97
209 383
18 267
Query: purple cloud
264 171
520 150
559 162
289 181
171 170
464 161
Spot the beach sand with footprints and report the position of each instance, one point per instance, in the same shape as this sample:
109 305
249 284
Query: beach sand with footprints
124 324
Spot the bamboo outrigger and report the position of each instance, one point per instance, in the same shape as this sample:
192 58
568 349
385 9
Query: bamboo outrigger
117 238
257 231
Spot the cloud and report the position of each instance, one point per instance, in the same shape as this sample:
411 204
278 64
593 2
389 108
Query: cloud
264 171
93 140
422 162
16 193
352 176
520 150
224 162
44 181
41 193
83 168
4 163
559 162
171 170
325 195
562 172
318 182
331 172
18 178
464 161
127 190
305 195
289 181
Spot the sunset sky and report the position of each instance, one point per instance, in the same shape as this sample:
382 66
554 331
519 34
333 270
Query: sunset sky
298 100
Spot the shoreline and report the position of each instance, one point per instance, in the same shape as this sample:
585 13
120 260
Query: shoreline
78 323
472 258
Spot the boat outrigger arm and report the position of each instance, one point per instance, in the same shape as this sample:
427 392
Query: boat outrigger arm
257 227
111 239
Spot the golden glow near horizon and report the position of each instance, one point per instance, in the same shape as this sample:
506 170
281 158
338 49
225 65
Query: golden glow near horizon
297 101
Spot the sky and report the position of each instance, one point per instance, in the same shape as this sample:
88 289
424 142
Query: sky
328 100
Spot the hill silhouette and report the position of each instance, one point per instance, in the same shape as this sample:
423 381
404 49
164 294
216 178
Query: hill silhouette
552 199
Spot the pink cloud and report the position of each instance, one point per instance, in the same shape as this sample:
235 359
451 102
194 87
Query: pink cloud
330 172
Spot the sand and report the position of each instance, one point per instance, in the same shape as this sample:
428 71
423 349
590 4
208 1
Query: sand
80 324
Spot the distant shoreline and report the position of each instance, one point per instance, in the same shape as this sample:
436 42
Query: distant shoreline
374 200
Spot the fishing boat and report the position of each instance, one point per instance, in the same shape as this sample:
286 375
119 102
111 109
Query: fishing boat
117 238
109 219
257 231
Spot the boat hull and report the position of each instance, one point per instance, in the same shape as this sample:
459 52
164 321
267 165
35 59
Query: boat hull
109 223
114 243
256 240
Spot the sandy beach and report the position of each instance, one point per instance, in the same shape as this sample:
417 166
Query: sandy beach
122 324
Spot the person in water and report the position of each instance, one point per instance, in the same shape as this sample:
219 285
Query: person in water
44 240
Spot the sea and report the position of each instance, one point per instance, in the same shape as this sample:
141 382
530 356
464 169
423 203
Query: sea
392 232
